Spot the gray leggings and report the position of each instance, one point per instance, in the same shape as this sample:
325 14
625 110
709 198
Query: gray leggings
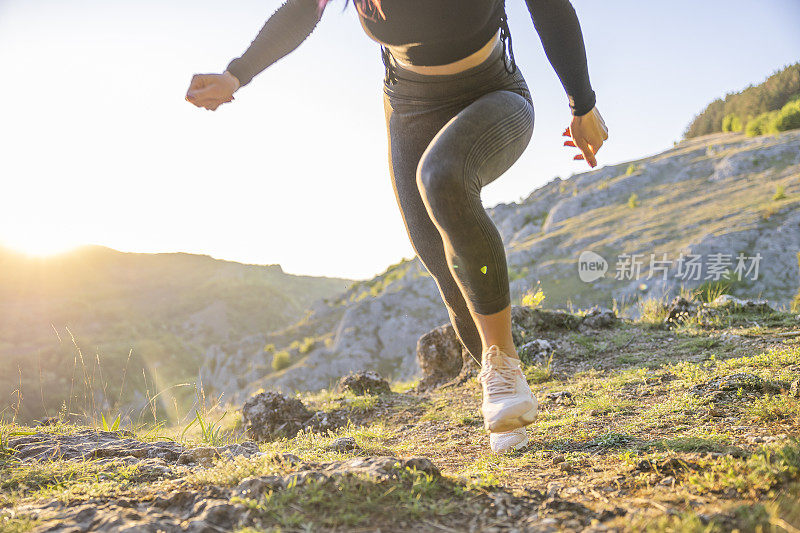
449 136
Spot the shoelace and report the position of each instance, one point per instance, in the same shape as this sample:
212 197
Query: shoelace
499 380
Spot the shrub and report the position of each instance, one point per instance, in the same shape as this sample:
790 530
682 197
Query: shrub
306 345
780 193
731 122
281 360
633 200
762 124
788 118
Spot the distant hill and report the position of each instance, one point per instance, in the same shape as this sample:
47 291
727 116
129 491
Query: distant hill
710 198
165 310
771 95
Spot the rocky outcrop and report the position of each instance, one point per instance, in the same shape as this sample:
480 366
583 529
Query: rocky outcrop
104 446
709 197
210 509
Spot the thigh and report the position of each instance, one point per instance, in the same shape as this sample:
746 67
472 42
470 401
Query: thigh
409 134
484 139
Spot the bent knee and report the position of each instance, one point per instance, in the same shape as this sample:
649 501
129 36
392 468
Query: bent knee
443 189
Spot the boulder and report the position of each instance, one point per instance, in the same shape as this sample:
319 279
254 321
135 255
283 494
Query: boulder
363 382
440 355
600 317
271 415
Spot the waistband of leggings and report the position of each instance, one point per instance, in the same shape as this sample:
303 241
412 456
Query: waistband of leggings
495 57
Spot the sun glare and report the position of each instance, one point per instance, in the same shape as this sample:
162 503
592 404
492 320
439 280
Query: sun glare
39 245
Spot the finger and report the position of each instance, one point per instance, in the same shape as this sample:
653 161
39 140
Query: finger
197 94
206 102
569 143
584 147
195 102
200 80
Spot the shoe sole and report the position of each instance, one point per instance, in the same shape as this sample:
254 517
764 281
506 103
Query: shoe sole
514 448
508 424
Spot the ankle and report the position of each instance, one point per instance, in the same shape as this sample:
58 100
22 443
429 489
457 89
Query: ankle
507 349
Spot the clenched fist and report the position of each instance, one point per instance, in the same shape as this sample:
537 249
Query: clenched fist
212 90
588 133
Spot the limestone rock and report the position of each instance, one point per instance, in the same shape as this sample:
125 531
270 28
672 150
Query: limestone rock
600 317
343 444
363 382
270 415
536 352
752 306
440 356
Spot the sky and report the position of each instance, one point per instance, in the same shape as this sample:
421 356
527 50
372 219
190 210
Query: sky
98 145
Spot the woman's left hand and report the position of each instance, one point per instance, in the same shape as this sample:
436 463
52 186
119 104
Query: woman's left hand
588 133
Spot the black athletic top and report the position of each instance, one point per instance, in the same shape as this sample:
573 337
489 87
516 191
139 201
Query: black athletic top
433 32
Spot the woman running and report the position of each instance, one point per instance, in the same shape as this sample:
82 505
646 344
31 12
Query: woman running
458 115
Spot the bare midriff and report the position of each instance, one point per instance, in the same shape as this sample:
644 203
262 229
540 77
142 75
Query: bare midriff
472 60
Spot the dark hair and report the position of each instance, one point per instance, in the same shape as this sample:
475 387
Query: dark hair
366 8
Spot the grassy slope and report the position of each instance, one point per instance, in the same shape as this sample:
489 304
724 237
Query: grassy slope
670 215
635 449
164 310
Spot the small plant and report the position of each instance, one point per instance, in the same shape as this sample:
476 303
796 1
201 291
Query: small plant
210 432
653 311
633 200
631 169
534 297
780 193
281 360
540 373
711 290
114 425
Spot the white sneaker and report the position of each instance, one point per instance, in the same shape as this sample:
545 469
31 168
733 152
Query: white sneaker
508 402
508 441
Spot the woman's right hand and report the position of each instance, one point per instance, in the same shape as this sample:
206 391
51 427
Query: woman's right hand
588 133
212 90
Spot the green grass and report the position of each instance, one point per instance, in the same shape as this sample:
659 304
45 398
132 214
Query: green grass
356 501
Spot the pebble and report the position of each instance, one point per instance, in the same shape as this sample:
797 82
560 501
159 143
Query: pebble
669 481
